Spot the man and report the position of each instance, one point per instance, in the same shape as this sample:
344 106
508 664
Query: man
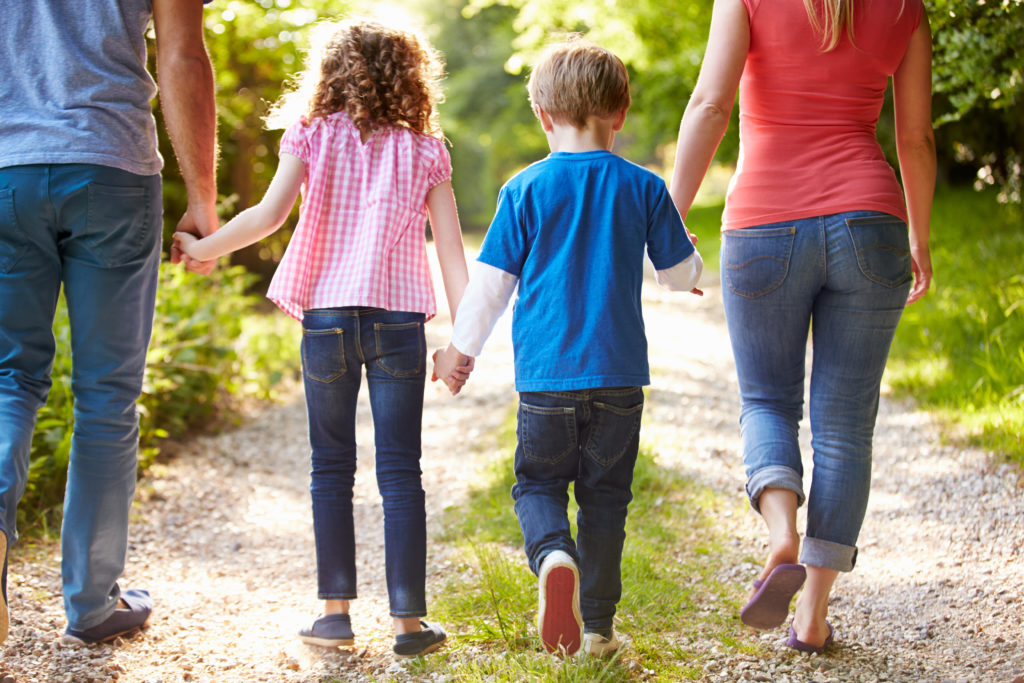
80 205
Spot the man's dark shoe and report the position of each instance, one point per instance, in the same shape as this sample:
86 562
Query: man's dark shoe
4 616
122 622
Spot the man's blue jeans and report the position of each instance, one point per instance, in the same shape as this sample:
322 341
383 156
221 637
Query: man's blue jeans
845 277
336 344
97 230
590 437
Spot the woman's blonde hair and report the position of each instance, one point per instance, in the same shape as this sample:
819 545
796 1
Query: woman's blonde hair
379 76
833 17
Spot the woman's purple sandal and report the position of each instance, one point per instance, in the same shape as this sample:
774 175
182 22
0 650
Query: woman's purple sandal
769 606
799 645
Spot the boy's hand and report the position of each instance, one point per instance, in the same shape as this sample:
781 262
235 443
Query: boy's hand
452 367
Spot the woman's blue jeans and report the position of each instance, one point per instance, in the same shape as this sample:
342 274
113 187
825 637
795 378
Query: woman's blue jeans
337 343
845 277
590 437
97 230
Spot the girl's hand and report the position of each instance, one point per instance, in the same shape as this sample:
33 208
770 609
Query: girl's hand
452 367
183 242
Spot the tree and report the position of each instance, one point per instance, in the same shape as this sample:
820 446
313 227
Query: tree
255 46
979 86
489 46
661 43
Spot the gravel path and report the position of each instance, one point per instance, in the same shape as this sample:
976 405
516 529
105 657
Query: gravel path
222 537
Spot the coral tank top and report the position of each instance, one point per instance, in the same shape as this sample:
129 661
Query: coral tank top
807 117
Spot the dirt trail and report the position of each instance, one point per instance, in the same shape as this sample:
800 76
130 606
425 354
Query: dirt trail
222 538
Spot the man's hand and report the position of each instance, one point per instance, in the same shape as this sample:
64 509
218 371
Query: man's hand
198 222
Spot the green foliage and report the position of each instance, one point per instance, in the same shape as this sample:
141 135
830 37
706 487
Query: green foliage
209 350
674 551
978 76
960 350
491 44
662 45
486 115
255 47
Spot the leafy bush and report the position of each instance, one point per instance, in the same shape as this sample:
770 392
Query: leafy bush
210 350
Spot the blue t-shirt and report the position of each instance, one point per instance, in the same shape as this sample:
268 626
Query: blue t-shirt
75 87
573 228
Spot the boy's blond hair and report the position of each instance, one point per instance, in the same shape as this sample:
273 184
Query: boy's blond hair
575 79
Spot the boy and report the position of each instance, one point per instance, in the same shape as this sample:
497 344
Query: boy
570 231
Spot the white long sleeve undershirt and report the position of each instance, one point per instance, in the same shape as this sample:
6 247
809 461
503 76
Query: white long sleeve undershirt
490 290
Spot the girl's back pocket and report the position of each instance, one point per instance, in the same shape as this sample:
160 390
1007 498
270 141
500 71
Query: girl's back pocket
323 354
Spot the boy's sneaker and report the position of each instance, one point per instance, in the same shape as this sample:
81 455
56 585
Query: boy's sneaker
558 613
598 645
330 630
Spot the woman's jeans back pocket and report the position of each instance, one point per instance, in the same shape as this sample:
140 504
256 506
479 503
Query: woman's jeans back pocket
547 434
883 248
755 261
323 354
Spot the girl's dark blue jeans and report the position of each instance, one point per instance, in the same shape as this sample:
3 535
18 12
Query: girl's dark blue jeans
337 344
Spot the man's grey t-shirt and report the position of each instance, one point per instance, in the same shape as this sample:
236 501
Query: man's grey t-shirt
74 87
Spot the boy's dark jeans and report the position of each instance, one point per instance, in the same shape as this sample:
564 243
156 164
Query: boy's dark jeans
590 437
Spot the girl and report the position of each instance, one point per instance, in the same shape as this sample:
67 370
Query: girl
368 154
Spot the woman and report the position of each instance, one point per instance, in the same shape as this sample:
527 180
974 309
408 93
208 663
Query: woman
814 237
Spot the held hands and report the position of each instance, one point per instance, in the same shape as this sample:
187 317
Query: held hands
452 367
693 239
181 245
195 223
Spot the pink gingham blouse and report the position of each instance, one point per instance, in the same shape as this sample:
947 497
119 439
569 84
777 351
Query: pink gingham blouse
360 239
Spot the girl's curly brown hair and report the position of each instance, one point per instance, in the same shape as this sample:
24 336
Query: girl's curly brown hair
379 76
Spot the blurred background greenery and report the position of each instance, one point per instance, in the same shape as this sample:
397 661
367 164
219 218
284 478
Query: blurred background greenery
959 352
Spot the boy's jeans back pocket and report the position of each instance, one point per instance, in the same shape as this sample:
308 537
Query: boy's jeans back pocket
547 434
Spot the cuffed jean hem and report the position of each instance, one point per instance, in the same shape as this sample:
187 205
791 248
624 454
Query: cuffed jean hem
417 614
336 596
774 477
602 626
828 555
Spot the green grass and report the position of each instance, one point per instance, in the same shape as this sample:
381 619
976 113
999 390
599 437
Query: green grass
672 603
960 351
